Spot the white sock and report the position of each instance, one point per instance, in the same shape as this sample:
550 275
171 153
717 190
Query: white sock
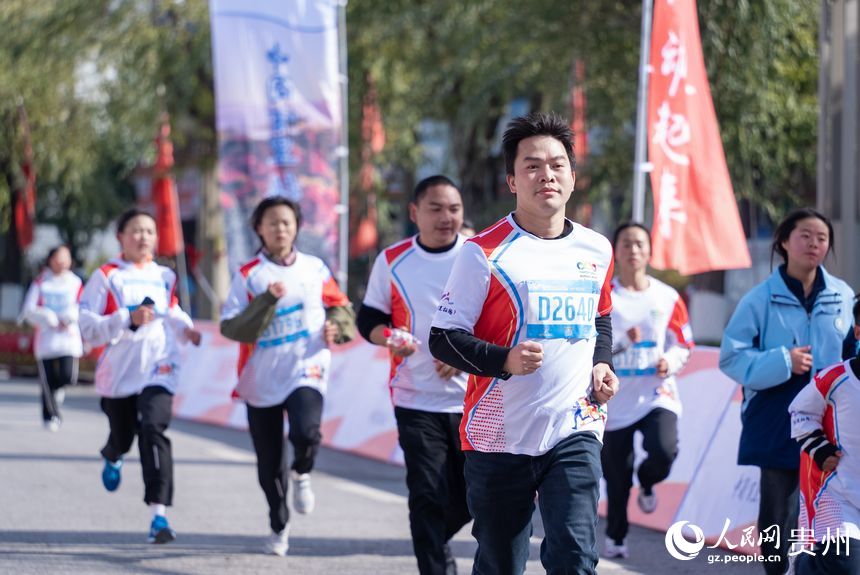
158 509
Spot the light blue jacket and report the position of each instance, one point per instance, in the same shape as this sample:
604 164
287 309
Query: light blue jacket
769 321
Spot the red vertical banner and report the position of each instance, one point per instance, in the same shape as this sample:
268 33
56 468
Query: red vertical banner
25 205
696 227
164 197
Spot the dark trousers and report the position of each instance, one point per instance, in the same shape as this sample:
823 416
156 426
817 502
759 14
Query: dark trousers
830 562
437 488
266 424
54 374
660 440
501 488
778 505
146 415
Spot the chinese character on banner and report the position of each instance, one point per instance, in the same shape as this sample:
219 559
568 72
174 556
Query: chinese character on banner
697 227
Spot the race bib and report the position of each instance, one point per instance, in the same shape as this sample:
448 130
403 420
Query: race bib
287 325
638 359
559 309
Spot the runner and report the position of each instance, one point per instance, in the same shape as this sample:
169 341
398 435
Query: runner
51 307
129 305
822 422
652 345
782 332
526 313
403 292
286 310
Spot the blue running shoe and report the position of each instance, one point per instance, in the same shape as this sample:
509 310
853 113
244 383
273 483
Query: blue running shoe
160 531
111 475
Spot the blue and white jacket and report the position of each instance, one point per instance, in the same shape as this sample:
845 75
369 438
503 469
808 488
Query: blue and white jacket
767 323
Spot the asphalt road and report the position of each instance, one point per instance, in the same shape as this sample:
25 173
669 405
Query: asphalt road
55 516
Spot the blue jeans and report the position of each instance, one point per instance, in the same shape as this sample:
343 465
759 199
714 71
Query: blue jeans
500 491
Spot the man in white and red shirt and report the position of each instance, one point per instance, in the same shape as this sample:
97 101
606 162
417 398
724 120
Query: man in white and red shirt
526 313
403 293
823 421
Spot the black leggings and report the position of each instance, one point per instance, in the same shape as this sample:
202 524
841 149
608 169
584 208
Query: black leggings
146 415
660 439
266 424
54 374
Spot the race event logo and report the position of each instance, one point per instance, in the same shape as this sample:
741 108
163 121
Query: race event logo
678 547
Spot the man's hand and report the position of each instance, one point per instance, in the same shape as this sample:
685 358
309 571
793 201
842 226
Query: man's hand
329 333
831 462
663 368
193 336
635 334
403 350
142 315
524 358
444 370
604 383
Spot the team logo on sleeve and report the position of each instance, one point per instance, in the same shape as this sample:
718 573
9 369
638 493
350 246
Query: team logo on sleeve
446 305
587 412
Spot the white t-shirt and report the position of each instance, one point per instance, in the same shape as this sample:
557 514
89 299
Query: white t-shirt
148 356
51 300
406 282
508 286
830 402
661 316
292 352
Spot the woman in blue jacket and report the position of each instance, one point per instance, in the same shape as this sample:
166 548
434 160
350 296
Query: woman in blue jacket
781 333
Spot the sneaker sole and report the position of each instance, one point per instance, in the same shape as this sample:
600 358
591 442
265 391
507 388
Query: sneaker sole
163 536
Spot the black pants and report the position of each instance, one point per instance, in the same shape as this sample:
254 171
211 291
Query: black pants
778 505
660 440
266 424
146 415
54 374
830 562
437 487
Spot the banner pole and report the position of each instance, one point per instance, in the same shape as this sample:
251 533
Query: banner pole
343 151
641 150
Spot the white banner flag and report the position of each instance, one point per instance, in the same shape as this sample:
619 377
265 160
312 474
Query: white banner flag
279 116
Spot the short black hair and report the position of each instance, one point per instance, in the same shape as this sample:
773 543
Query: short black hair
787 225
130 214
626 226
536 124
271 202
53 251
430 182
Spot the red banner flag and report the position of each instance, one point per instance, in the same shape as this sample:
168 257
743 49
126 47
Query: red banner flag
697 227
164 197
25 204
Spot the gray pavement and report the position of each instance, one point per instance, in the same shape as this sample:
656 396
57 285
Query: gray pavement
55 516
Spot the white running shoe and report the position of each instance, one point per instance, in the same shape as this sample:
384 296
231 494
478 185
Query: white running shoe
647 501
614 551
278 543
53 424
303 496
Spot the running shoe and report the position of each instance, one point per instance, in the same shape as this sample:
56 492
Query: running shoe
614 550
111 474
160 531
303 496
647 500
278 543
53 424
